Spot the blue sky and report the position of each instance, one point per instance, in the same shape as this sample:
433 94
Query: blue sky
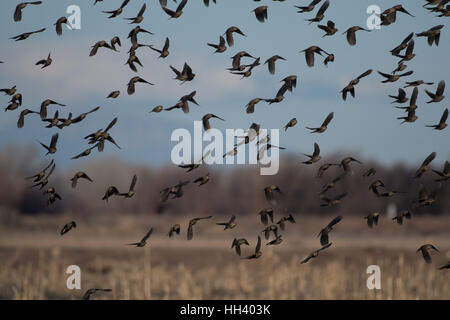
366 125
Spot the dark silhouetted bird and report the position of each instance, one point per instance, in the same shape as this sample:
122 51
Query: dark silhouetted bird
372 219
425 165
118 11
323 234
230 224
40 175
205 120
402 214
67 227
309 54
237 243
328 202
439 95
176 228
20 7
330 28
315 157
87 295
290 124
261 13
324 125
52 147
442 123
445 173
258 252
133 81
79 175
271 62
59 23
425 250
351 85
229 34
315 253
192 222
111 191
351 34
140 16
433 35
26 35
164 52
265 215
396 51
173 14
320 13
309 7
143 241
202 180
269 193
130 192
394 77
185 75
221 47
45 62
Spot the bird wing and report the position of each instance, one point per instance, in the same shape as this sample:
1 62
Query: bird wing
54 140
141 12
428 160
444 117
426 255
410 47
365 74
309 56
133 182
328 119
334 221
111 124
74 181
124 4
323 238
190 232
149 233
181 5
166 45
258 245
316 150
18 13
351 37
264 219
440 88
323 8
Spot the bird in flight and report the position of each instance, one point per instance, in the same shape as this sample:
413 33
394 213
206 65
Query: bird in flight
258 252
143 241
192 222
67 227
314 254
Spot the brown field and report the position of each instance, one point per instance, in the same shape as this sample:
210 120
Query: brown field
34 259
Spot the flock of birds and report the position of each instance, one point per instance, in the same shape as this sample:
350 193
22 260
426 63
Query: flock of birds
97 139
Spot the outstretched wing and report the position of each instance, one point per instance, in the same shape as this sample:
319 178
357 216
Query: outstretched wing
149 233
133 182
258 245
328 119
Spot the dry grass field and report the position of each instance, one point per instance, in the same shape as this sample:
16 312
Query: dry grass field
34 259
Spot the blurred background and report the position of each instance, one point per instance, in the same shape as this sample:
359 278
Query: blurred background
365 128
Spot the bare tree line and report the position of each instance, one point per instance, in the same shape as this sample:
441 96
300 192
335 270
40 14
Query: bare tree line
236 190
